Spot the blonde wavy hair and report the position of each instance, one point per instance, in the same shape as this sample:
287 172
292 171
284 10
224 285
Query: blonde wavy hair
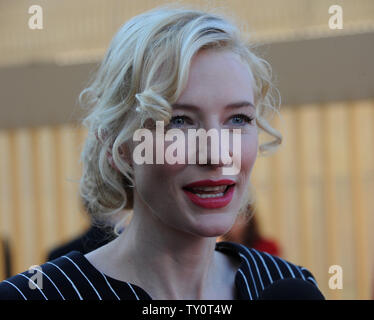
143 73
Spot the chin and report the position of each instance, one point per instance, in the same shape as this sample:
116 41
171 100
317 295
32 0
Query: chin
214 225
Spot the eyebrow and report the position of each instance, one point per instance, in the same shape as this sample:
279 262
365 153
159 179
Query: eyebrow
234 105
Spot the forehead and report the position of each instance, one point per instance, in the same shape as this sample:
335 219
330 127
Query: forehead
217 77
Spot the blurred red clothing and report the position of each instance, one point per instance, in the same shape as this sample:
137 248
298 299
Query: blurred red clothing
268 246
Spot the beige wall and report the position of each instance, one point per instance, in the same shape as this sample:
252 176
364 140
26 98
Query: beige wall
78 31
314 196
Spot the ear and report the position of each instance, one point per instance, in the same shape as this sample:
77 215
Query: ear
104 134
111 161
108 153
124 153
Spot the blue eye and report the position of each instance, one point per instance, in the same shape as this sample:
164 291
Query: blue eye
242 119
177 121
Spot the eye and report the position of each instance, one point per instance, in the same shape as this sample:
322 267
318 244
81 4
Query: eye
242 119
179 121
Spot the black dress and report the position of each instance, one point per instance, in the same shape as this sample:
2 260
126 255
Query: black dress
73 277
92 239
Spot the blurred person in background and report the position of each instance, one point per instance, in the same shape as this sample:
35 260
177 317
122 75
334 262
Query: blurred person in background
372 287
94 237
5 258
247 231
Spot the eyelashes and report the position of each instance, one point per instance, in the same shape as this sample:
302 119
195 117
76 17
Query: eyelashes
244 117
173 120
181 120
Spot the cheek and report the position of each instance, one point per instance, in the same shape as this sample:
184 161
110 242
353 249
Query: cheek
249 152
154 181
159 176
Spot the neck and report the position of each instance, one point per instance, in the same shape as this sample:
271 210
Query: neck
178 265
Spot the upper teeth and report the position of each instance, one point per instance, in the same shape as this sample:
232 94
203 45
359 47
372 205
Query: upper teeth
215 195
217 188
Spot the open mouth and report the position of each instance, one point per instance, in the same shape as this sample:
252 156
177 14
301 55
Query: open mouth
210 195
210 192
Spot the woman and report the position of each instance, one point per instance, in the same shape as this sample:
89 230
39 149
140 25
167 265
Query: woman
192 70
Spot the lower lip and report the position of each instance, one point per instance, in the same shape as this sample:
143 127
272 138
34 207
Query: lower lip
212 203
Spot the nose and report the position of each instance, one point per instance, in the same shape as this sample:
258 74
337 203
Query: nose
220 161
216 152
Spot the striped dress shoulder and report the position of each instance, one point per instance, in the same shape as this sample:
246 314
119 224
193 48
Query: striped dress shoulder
259 269
73 277
69 277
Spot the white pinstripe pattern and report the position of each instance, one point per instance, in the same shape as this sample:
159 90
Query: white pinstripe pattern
288 267
246 283
254 261
275 263
137 298
93 287
244 254
13 285
249 268
300 271
110 287
71 282
28 279
50 281
314 281
265 265
250 271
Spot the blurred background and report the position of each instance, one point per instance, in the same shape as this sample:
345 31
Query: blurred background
315 195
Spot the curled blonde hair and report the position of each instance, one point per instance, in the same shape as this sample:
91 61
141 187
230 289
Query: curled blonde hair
142 74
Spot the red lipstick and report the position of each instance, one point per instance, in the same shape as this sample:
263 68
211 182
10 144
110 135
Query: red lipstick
210 198
210 183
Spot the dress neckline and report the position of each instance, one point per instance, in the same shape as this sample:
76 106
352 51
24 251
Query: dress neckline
224 247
